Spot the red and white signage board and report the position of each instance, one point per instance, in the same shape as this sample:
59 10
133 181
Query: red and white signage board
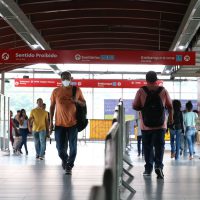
86 83
97 57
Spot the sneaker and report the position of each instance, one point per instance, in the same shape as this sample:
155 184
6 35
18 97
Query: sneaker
172 155
68 171
37 157
191 157
159 173
41 158
20 151
146 173
63 165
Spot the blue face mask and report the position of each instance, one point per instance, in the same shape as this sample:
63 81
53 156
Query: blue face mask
66 83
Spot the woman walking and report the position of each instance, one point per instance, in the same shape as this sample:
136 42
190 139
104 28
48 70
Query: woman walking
23 129
176 129
189 119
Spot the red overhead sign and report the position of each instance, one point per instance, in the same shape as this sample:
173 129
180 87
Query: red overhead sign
87 83
97 57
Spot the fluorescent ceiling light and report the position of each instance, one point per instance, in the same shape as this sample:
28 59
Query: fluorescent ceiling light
167 71
35 46
181 47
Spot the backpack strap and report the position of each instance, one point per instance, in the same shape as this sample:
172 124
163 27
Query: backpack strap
146 90
74 92
158 91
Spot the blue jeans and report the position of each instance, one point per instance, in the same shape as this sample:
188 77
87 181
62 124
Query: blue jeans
40 142
190 135
175 137
183 145
24 133
64 137
153 145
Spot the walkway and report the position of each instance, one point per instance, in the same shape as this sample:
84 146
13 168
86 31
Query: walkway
25 178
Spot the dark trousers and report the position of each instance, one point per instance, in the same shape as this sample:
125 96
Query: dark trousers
66 137
24 133
153 145
139 144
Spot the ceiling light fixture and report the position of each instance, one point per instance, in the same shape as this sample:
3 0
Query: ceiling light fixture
167 71
181 47
35 46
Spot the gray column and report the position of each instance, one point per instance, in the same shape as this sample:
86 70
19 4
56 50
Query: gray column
198 94
2 83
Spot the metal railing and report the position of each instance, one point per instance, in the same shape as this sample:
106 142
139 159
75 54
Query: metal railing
115 154
4 123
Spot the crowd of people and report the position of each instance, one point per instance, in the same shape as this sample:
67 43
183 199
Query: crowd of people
21 126
184 132
40 124
156 114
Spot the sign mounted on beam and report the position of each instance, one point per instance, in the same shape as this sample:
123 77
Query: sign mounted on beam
86 83
97 57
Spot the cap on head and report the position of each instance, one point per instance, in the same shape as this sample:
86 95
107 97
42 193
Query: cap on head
151 77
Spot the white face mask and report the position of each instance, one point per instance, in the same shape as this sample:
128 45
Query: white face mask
66 83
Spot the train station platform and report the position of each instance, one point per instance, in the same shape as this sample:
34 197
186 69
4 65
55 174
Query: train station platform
25 178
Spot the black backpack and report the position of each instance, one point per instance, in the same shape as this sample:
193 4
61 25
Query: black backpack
153 112
81 113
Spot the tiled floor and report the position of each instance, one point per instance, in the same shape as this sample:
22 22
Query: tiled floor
24 178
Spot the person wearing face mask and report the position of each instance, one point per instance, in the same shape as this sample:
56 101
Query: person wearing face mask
66 131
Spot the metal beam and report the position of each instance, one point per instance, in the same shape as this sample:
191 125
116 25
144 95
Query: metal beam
82 72
188 75
183 28
185 34
15 17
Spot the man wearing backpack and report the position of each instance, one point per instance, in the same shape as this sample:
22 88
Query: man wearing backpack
152 100
65 120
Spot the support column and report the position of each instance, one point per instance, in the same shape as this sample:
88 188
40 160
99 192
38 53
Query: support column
2 83
198 94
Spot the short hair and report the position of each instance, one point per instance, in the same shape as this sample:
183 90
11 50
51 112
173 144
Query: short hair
65 73
39 99
151 77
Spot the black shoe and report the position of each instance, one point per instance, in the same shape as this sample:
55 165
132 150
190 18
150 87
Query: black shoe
68 171
159 173
181 152
37 157
146 173
63 165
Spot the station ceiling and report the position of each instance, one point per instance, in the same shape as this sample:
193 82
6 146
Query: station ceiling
158 25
